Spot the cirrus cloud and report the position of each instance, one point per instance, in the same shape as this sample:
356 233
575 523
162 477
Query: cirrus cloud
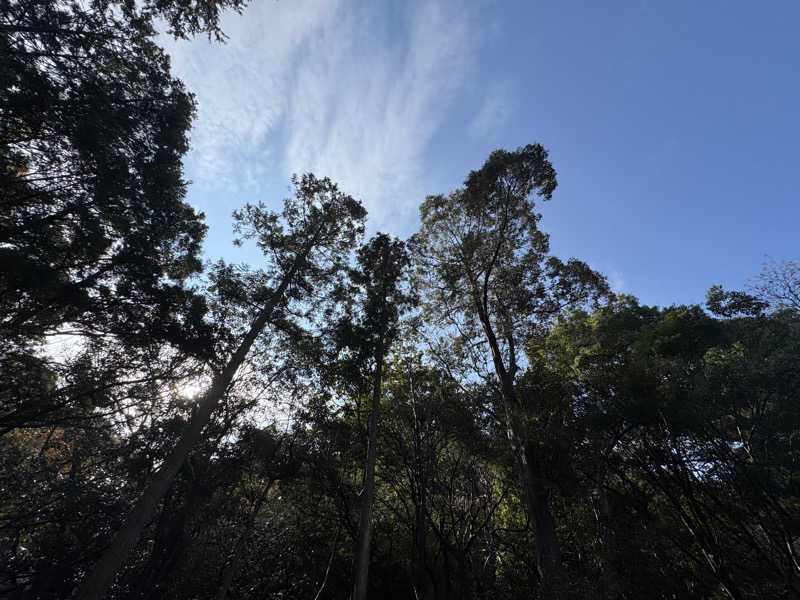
354 92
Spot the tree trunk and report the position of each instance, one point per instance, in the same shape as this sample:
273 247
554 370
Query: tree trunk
362 554
548 552
100 579
168 545
535 492
537 503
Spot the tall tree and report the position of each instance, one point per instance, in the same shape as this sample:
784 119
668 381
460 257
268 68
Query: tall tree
306 246
377 299
96 231
488 278
96 243
96 239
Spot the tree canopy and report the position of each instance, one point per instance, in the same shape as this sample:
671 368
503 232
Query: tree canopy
461 414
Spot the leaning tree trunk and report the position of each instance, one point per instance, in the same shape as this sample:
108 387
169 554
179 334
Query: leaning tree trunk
169 543
362 554
99 580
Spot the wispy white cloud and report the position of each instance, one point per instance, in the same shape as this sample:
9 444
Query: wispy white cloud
495 112
355 92
616 280
242 86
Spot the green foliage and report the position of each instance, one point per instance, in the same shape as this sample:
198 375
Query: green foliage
729 304
653 451
96 230
372 301
668 407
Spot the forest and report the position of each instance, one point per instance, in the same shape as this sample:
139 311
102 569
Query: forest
460 414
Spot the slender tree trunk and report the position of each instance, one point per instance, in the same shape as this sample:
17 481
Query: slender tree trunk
168 545
100 579
548 551
537 502
330 563
535 493
418 497
362 554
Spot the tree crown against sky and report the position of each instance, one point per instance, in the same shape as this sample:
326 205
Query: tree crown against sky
526 434
482 259
657 166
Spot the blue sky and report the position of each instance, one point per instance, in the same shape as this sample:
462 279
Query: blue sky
674 126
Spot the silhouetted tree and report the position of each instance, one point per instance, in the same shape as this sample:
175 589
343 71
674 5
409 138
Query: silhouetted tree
306 245
486 274
374 304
